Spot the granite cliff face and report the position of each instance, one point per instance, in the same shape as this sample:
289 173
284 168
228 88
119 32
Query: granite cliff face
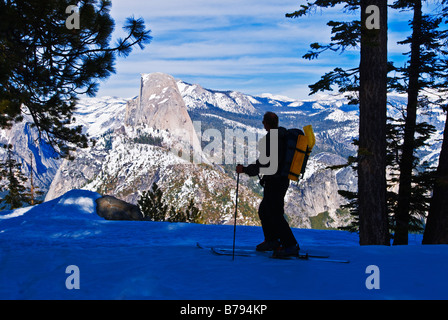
160 106
31 153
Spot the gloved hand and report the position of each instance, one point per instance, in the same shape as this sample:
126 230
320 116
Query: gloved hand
240 168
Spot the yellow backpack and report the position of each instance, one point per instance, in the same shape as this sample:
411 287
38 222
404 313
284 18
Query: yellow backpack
298 149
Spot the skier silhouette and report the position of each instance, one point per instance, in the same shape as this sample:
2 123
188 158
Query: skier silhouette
278 236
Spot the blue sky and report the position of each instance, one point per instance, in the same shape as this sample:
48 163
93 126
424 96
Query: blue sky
243 45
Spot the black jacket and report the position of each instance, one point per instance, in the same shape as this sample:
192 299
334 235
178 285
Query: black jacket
254 169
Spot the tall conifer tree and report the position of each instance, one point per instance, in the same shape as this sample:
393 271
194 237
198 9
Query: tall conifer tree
423 71
370 81
373 225
47 60
11 171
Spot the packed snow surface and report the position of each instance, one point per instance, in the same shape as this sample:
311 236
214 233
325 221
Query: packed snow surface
160 260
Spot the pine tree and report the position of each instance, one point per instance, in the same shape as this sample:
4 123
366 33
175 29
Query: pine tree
152 205
422 72
11 172
44 65
373 226
370 80
34 191
192 213
422 177
352 206
154 208
425 68
176 216
346 35
422 180
436 231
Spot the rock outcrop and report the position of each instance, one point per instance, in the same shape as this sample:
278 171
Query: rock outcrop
111 208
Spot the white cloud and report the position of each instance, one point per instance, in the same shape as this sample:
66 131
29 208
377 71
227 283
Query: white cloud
241 45
205 8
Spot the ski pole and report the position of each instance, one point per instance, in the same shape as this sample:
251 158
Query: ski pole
236 210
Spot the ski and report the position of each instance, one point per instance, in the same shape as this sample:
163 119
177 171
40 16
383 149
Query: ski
249 252
241 252
229 252
253 253
313 258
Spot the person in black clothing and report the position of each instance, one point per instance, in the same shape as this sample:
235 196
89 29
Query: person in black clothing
278 236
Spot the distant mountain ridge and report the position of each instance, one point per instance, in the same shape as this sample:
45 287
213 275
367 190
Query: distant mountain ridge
137 144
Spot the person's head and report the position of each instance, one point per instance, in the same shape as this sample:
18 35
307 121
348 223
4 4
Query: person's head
270 121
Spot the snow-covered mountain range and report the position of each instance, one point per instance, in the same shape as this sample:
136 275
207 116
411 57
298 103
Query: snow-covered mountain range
174 133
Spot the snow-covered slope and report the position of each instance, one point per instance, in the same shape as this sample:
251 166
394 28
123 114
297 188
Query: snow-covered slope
100 115
196 97
42 245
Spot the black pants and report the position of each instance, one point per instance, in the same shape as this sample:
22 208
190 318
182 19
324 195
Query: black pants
271 211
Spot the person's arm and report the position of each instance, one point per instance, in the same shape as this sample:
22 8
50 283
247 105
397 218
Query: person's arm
254 168
250 170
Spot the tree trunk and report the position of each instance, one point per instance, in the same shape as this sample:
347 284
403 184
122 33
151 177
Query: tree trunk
406 163
436 231
373 225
